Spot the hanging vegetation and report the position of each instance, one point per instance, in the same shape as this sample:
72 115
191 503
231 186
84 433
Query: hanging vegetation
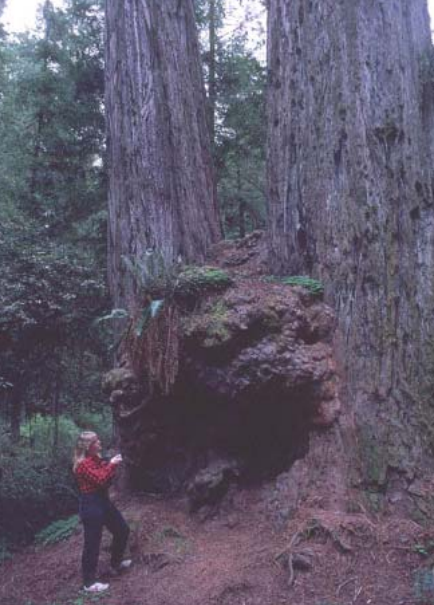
151 341
153 349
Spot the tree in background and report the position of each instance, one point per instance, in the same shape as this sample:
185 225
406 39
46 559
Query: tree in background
64 93
235 83
52 237
240 139
210 17
52 184
350 173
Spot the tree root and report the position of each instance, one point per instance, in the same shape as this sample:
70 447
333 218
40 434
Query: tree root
286 556
292 556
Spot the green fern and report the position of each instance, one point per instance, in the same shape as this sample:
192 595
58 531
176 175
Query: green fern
57 531
314 286
114 314
149 312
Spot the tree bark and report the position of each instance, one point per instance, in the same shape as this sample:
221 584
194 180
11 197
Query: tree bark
350 184
161 192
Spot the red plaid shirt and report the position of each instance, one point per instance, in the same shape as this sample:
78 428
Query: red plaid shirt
94 474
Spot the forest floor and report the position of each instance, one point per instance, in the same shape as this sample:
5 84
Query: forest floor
238 557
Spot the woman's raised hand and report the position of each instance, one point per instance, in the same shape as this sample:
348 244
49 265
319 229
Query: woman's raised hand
116 459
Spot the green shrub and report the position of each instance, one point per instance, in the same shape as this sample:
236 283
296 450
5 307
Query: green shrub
39 434
37 483
57 531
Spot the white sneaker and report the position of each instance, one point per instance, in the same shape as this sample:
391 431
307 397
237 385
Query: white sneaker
96 587
125 564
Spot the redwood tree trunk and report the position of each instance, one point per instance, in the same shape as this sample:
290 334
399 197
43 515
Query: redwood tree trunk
161 192
350 183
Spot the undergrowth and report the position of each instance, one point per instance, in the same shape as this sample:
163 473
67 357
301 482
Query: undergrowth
5 554
37 484
57 531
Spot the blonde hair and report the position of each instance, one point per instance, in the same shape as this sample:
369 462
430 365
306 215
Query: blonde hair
82 446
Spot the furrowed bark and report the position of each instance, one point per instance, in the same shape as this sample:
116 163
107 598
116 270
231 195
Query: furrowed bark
350 182
161 192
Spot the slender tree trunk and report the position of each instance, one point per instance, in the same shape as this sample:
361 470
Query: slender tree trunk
212 91
161 192
35 179
15 398
241 206
56 412
38 181
350 182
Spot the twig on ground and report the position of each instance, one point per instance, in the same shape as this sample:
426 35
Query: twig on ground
289 560
291 570
357 593
288 548
344 547
344 584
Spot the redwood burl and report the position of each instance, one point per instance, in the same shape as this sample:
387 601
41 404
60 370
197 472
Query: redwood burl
256 391
350 172
161 176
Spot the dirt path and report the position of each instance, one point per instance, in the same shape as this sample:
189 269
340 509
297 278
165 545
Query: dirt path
231 560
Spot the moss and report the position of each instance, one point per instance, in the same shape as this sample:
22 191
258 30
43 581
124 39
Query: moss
374 501
217 331
314 286
271 320
374 458
216 336
220 309
426 68
112 379
194 282
210 328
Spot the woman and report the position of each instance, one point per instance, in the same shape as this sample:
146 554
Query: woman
94 476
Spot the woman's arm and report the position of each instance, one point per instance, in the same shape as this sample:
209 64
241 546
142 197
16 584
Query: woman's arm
95 473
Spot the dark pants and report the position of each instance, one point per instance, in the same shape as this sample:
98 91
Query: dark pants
96 512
